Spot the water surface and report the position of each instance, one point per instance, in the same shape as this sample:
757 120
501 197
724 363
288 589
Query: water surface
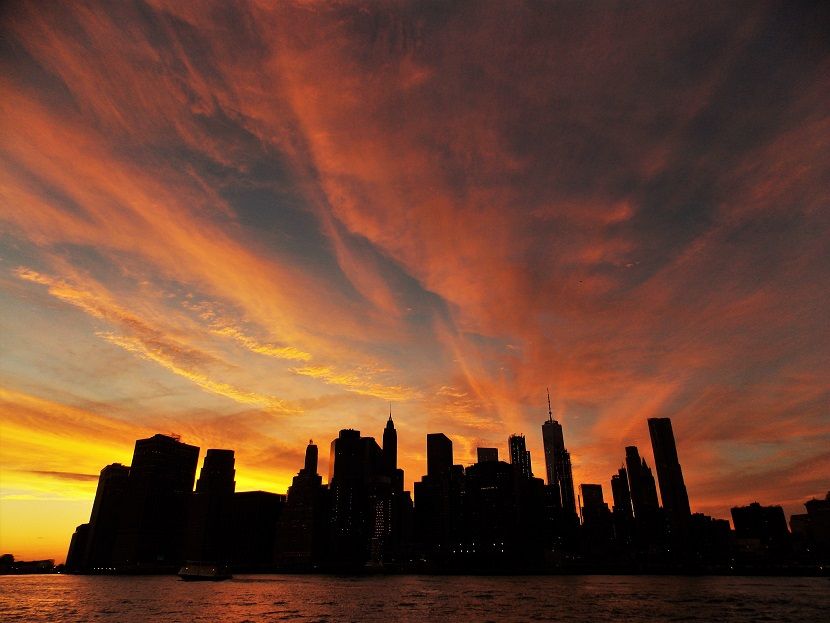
60 598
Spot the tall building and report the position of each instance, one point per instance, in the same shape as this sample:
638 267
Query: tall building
207 538
106 514
519 455
217 475
438 513
151 531
393 512
439 454
253 529
670 476
641 484
301 531
390 446
597 525
310 463
592 496
622 513
75 557
622 494
558 462
360 499
487 455
761 532
811 530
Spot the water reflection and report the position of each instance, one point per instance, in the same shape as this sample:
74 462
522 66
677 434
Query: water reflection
413 598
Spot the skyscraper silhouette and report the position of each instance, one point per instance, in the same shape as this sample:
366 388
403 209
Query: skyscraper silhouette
485 455
437 497
301 532
641 484
390 446
393 511
150 533
558 461
519 456
670 476
310 463
217 475
591 496
439 454
621 494
113 486
360 499
622 512
209 516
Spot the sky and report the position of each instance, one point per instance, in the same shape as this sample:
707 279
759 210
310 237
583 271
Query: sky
256 223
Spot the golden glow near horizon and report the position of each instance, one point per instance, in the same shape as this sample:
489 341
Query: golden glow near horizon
255 224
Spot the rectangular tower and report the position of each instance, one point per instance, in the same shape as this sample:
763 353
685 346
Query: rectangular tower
519 456
439 454
151 531
669 475
558 462
487 455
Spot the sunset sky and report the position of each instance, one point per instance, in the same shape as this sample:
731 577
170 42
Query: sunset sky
255 223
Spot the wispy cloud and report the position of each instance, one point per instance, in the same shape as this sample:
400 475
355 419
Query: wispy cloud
359 381
152 344
137 346
270 350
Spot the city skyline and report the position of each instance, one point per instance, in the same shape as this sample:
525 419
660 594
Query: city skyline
492 515
251 224
217 471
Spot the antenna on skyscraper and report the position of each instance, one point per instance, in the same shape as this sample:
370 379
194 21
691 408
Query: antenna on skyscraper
550 411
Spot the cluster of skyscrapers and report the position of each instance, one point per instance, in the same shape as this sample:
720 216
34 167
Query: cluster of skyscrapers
493 515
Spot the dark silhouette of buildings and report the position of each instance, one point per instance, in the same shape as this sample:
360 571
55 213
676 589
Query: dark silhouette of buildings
390 446
648 532
302 532
811 532
150 533
438 501
558 463
621 494
710 542
210 510
484 455
761 533
217 475
519 455
394 532
368 508
254 519
597 527
113 487
76 556
622 511
492 516
92 545
439 454
672 487
10 566
641 484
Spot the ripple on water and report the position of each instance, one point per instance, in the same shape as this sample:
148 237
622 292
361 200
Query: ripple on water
411 599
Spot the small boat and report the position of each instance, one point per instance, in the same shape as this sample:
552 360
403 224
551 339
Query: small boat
204 572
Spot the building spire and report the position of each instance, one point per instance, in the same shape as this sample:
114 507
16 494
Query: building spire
550 411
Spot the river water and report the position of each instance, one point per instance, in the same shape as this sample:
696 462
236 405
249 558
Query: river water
60 598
